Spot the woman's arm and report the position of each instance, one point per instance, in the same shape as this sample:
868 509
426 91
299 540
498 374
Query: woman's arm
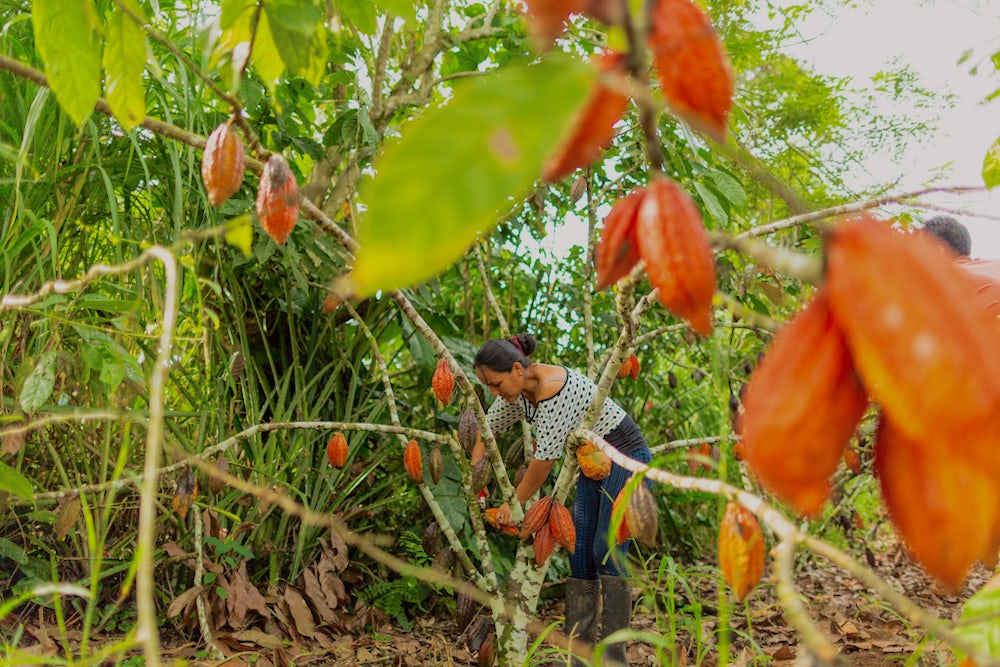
533 479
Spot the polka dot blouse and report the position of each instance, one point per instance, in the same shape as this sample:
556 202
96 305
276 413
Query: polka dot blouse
555 417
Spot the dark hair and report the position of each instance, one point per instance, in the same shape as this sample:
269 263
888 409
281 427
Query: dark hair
500 354
952 232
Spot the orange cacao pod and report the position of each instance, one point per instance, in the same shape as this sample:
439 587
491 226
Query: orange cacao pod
277 199
491 518
622 534
741 549
544 544
443 382
946 507
739 451
336 450
536 516
802 404
468 429
413 461
924 344
642 515
561 525
594 463
633 369
691 65
698 457
436 464
593 126
852 459
223 164
678 254
617 250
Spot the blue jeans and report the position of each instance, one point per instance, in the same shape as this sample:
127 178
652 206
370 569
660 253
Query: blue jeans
592 509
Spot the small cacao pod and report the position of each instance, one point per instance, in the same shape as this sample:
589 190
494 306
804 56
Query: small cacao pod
675 246
691 65
223 164
642 515
277 199
561 525
544 544
852 459
536 516
481 474
185 492
413 461
698 457
443 382
617 251
618 510
671 380
436 464
215 485
633 368
519 475
465 610
487 650
336 450
443 561
431 540
491 518
802 405
739 451
594 463
468 429
741 549
594 124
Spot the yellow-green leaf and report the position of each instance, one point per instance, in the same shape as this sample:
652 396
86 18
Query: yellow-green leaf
401 8
299 36
991 165
13 481
67 35
124 61
239 234
460 167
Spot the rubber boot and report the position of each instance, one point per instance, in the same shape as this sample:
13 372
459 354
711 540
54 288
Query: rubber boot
583 599
617 615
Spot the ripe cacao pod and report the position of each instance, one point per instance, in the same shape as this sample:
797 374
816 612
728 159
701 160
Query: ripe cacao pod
617 251
739 451
491 518
852 459
277 199
678 253
443 382
431 540
336 450
802 404
741 549
481 474
691 65
642 515
468 429
594 463
945 506
436 464
544 544
536 516
924 344
698 457
633 369
561 526
413 461
617 510
593 126
223 164
488 650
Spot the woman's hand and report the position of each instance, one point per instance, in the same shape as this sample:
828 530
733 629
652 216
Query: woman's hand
503 516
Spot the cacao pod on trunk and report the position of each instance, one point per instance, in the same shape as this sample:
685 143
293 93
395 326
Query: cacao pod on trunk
561 525
468 429
536 516
443 382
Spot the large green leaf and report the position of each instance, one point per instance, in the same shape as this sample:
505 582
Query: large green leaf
67 34
991 165
124 61
459 167
13 481
360 13
979 626
300 40
39 384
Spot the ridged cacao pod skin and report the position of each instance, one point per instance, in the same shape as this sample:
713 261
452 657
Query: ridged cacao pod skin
691 65
852 459
946 507
519 475
465 609
630 368
413 461
443 382
561 526
431 540
468 429
491 518
802 405
924 344
336 450
642 515
436 464
481 473
223 164
678 254
536 516
488 650
617 251
277 199
741 549
544 544
593 126
594 464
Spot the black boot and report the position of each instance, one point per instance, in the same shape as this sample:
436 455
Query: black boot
617 615
583 598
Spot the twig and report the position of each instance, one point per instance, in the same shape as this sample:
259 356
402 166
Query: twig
199 571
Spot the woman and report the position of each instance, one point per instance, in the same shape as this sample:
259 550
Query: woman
554 400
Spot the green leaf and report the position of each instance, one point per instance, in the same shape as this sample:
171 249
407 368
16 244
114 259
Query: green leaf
303 53
979 626
124 61
239 234
301 16
991 165
460 167
360 13
401 8
711 203
68 39
39 385
266 58
13 481
728 187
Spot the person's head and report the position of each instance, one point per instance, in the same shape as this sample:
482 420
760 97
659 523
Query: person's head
952 232
501 362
